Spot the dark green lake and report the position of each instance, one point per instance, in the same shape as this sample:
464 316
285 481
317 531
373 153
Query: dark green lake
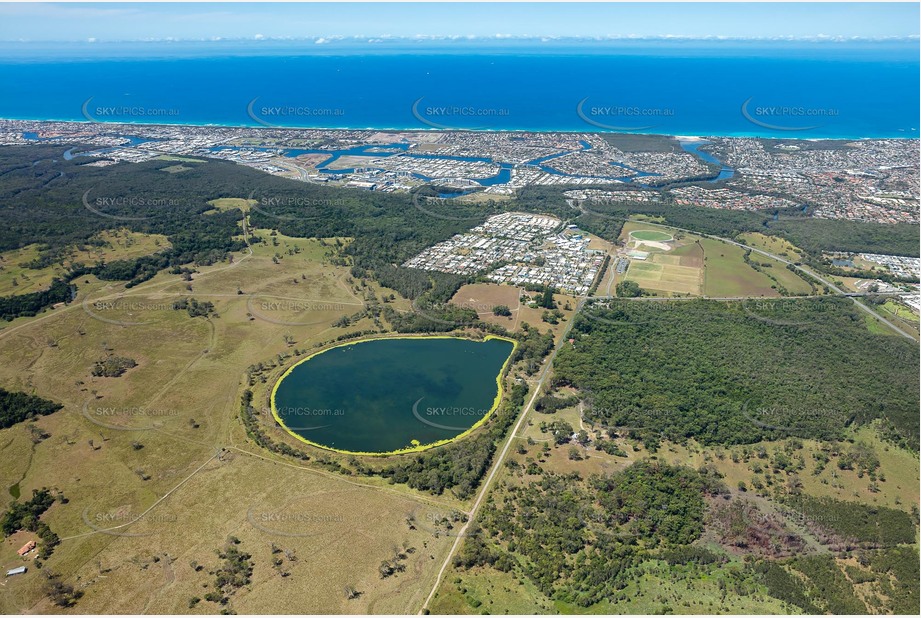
380 395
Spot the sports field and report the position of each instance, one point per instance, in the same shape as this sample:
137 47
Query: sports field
675 268
653 235
666 273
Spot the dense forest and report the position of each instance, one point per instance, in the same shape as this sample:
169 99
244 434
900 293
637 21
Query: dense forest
17 407
849 523
729 373
34 302
59 203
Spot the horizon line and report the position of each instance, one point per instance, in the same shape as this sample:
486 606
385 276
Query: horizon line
700 135
424 38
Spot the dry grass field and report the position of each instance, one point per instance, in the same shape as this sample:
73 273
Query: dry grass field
331 533
157 469
108 246
482 297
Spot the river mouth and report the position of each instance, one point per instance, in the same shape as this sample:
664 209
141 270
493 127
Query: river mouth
392 395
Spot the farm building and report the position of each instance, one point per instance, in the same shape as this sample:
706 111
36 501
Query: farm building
25 549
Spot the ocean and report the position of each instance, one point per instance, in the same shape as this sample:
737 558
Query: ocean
823 90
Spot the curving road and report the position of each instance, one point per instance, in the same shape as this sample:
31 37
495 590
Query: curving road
782 260
548 363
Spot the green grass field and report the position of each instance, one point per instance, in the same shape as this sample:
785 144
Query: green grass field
772 244
878 328
229 203
704 266
664 273
484 589
901 311
793 283
900 315
653 235
175 169
727 275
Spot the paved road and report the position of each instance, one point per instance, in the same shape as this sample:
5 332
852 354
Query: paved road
767 298
500 457
825 281
548 363
818 277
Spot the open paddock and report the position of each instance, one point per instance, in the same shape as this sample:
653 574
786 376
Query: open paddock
166 436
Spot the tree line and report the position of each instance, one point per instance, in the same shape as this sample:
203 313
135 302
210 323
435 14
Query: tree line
738 373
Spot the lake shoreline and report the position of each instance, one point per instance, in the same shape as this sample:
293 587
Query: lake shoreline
409 449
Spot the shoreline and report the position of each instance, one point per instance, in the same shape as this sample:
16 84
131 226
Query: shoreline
409 449
681 137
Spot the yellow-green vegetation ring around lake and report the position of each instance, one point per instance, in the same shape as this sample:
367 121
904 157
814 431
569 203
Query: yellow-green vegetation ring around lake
386 396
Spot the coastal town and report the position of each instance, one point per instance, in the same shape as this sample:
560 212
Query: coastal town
863 180
727 198
873 180
520 249
899 265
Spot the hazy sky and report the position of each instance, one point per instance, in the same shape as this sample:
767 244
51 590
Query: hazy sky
127 21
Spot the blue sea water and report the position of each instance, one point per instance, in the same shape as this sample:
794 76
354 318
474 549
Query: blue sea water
828 90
